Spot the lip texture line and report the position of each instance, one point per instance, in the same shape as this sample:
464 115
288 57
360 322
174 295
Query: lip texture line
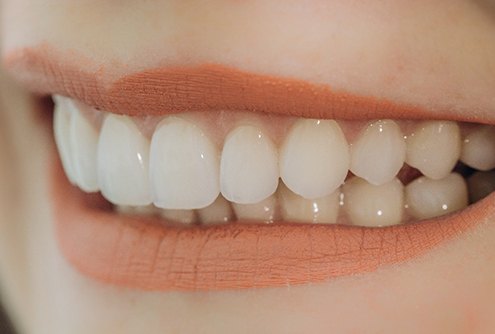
141 253
207 87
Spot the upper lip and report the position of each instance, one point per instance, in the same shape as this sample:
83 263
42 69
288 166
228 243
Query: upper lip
207 87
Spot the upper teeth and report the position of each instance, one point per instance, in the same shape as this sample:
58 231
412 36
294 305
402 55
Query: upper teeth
181 166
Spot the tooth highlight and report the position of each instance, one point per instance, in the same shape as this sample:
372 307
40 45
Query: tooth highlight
249 166
61 128
427 198
373 206
123 162
295 208
379 152
83 144
314 158
218 212
263 211
480 185
478 149
184 166
434 148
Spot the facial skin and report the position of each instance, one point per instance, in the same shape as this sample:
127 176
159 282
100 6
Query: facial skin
436 54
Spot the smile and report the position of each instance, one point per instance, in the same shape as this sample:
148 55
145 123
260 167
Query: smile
212 178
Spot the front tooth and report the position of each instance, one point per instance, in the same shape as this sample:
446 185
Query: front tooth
184 166
314 159
434 148
180 216
263 211
218 212
370 205
148 210
379 152
83 144
123 160
478 150
61 127
295 208
427 198
249 166
481 184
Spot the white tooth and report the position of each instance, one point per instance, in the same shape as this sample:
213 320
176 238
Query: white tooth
295 208
264 211
218 212
481 184
123 160
249 166
379 152
314 159
148 210
83 144
184 166
179 216
370 205
434 148
61 128
478 149
427 198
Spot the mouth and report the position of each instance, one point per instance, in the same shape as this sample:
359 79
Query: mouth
206 177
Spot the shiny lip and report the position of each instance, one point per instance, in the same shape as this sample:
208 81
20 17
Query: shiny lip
144 253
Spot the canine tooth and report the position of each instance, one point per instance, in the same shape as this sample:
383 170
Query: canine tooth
314 159
263 211
478 150
83 144
434 148
61 127
249 166
184 166
379 152
123 158
480 185
295 208
218 212
370 205
179 216
427 198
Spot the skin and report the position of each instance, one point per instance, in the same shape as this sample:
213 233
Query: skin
432 53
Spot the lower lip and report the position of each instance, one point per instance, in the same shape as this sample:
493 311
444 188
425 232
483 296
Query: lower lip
142 253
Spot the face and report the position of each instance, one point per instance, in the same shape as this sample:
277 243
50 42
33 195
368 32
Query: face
259 166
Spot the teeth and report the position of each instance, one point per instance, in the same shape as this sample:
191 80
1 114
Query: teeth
434 148
295 208
481 184
478 149
262 211
218 212
123 154
379 152
370 205
148 210
61 128
180 216
184 164
83 144
427 198
314 158
249 166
